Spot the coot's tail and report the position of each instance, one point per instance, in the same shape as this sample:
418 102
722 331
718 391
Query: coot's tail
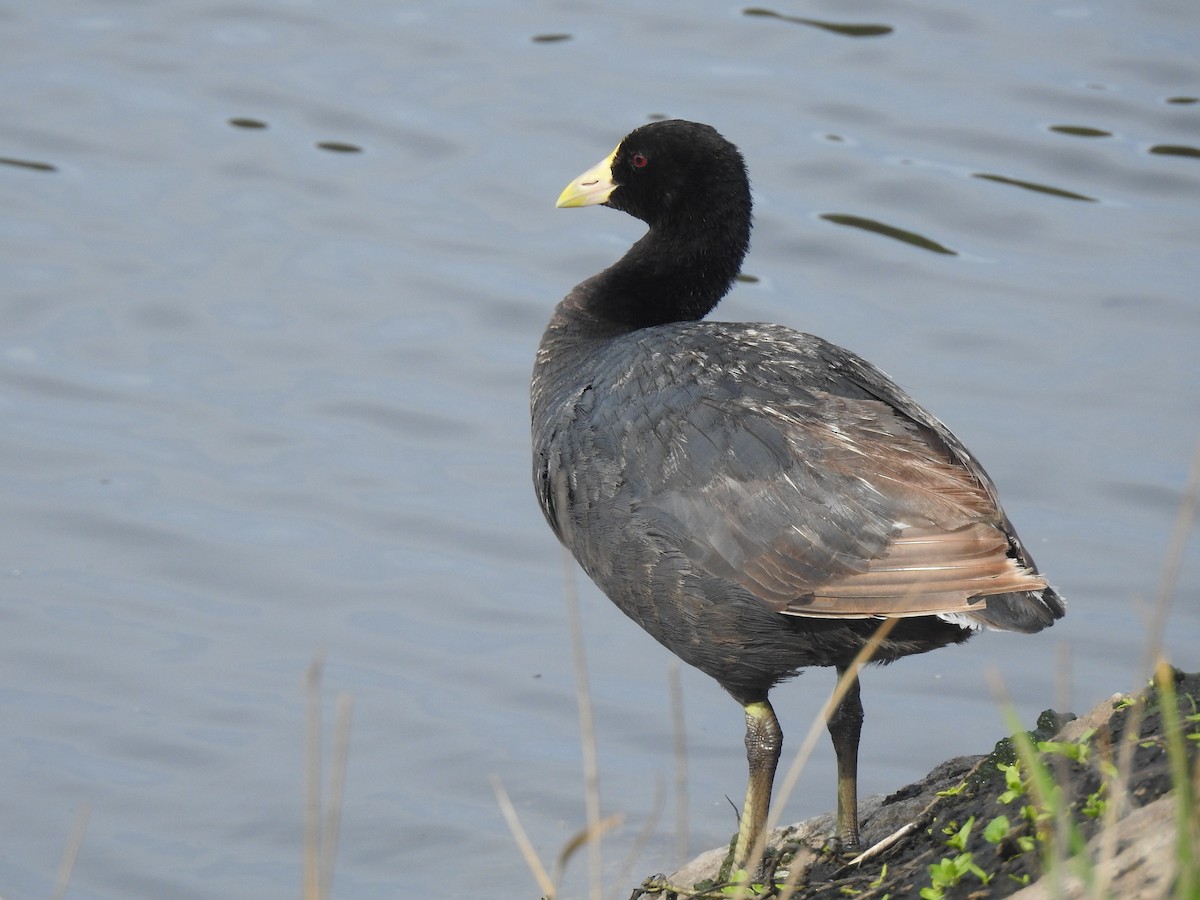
1026 612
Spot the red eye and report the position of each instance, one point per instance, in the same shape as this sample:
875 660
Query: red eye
638 160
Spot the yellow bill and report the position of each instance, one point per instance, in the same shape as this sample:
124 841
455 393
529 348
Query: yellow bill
592 187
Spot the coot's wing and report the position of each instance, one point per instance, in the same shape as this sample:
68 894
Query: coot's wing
786 465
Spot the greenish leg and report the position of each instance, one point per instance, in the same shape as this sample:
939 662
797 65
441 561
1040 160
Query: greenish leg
845 728
764 741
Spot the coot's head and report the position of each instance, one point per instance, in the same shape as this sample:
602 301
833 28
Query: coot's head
667 173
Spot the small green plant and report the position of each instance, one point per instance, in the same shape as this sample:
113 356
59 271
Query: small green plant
1094 805
1049 813
954 791
1013 783
959 836
1193 735
742 885
878 882
949 872
1000 829
1076 751
997 830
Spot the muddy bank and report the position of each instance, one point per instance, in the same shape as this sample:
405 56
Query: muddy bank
1070 816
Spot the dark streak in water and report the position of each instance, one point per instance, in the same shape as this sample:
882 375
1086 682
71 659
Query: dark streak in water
551 38
891 231
1034 186
843 28
339 147
748 279
1080 131
1183 100
242 122
1175 150
28 164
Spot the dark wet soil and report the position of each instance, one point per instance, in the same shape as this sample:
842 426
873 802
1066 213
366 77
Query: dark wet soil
980 828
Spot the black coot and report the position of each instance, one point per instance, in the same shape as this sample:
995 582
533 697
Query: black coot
756 498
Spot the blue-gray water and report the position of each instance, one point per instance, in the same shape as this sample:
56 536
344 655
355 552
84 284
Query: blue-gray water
263 398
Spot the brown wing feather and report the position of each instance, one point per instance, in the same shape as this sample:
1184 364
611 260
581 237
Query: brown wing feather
950 548
925 572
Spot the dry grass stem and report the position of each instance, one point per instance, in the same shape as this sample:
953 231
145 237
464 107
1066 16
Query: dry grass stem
338 762
586 837
71 852
679 734
312 781
540 875
643 835
1168 581
880 846
321 832
1172 564
587 729
800 861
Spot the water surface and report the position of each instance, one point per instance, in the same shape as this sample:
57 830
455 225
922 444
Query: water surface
274 275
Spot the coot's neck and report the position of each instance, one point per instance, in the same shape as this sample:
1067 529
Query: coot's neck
673 274
677 272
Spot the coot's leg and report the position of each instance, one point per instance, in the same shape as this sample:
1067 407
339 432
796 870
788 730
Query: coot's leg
764 740
845 727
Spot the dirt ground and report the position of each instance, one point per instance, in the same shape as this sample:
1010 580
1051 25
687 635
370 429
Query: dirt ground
1066 819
